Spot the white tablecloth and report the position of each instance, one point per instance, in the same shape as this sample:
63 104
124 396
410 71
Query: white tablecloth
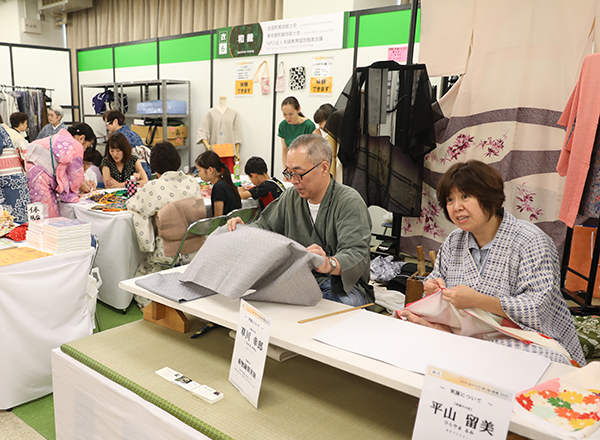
118 252
90 406
43 304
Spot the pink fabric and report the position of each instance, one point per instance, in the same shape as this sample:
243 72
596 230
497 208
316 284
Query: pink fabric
580 117
68 155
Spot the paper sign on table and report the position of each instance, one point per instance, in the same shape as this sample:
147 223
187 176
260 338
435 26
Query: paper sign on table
250 352
35 211
456 407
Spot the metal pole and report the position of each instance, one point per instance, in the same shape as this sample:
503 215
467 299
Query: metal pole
412 32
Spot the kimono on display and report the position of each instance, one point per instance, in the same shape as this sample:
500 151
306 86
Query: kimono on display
499 112
384 125
14 193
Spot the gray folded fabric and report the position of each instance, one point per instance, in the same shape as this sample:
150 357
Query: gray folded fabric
168 286
278 268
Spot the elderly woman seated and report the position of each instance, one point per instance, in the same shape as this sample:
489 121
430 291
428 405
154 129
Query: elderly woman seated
157 237
497 263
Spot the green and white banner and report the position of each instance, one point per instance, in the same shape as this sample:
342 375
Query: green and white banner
304 34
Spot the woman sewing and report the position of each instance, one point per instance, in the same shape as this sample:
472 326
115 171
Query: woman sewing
498 263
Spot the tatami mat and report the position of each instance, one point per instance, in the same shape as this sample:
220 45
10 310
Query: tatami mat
299 399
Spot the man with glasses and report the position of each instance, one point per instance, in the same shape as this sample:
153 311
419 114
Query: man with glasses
115 123
329 218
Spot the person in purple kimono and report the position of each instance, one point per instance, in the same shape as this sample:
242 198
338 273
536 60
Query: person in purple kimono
55 165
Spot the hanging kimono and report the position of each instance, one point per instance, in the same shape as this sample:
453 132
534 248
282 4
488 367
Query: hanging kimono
519 60
55 165
14 194
383 124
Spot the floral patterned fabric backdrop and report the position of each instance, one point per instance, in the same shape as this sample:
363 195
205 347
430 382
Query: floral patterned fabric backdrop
519 61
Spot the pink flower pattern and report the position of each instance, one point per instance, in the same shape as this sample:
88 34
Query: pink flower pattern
525 203
461 143
493 147
428 219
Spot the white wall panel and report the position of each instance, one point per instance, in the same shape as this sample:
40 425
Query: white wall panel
256 111
342 70
45 68
5 77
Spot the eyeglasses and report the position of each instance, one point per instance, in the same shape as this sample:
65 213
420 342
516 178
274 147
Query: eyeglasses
297 176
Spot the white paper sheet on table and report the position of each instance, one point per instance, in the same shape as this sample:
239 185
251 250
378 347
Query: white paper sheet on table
413 347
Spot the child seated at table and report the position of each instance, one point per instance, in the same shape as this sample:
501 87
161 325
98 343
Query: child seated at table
224 196
91 164
266 189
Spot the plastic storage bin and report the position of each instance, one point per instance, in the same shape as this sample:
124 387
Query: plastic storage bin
156 107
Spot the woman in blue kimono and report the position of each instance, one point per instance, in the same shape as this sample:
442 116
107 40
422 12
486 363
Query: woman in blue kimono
497 263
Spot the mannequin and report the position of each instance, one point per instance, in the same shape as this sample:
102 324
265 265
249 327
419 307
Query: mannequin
221 125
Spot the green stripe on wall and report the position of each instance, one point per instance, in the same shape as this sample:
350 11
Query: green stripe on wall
136 55
351 32
387 28
183 50
97 59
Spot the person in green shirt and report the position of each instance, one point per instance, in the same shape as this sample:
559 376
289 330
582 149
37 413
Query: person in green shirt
329 218
294 124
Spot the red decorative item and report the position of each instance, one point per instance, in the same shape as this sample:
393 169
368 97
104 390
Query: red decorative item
18 234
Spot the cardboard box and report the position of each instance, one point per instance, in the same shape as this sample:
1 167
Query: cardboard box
175 134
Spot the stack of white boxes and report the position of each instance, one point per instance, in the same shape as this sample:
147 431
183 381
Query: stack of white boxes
59 235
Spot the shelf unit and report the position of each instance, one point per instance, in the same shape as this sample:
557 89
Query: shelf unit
162 87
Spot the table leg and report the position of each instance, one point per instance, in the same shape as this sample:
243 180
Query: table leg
167 317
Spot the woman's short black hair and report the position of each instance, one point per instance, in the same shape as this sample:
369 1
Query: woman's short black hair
475 179
164 157
17 118
118 141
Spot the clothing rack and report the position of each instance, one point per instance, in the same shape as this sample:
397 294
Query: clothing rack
43 89
584 299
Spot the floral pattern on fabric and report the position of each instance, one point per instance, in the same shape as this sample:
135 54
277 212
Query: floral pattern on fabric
68 172
14 195
588 330
171 186
569 405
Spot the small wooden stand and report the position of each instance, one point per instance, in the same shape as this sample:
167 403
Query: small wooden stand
414 289
167 317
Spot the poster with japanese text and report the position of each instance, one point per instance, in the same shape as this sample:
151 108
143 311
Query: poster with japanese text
321 80
244 85
250 352
455 407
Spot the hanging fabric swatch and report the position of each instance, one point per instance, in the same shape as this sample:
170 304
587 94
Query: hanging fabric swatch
262 75
297 78
280 82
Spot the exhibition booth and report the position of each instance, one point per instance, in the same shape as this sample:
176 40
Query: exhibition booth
347 375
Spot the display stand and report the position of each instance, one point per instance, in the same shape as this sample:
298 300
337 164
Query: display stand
396 236
584 299
162 86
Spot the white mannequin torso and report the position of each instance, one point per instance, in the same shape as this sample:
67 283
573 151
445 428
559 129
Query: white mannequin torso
222 106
